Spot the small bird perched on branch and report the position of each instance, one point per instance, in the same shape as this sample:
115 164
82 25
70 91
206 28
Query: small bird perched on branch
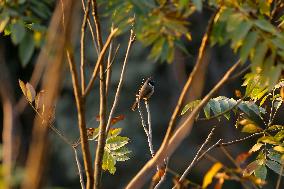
145 92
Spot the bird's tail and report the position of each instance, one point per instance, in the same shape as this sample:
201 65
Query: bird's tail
134 106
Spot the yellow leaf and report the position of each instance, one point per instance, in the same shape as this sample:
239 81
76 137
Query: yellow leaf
279 149
23 87
211 173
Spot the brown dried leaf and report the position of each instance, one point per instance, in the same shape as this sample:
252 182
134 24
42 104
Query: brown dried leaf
39 101
242 157
30 92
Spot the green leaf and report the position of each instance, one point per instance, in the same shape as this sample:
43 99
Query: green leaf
197 4
26 49
207 110
261 172
215 106
279 136
259 54
240 32
116 142
275 156
17 32
108 163
190 106
265 25
274 166
249 43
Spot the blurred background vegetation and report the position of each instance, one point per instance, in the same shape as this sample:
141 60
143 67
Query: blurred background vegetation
169 34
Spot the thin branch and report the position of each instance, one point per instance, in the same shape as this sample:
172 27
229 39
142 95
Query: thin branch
112 60
91 29
81 121
108 70
97 23
240 140
118 89
208 150
82 43
183 130
99 61
237 75
79 169
163 177
144 125
192 76
229 156
185 173
149 129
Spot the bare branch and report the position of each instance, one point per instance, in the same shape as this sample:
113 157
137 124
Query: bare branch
82 43
99 61
183 130
79 168
118 89
185 173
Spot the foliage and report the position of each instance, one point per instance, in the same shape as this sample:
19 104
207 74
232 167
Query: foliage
25 21
159 24
252 118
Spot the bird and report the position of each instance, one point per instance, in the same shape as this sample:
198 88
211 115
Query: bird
145 92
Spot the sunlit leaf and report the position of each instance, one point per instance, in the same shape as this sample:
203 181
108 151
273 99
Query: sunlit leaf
256 147
30 92
211 173
23 87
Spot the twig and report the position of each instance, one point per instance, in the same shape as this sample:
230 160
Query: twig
185 173
108 70
163 177
240 73
144 125
91 29
177 175
183 130
208 150
239 140
79 168
99 61
112 60
82 43
118 89
97 23
279 177
149 129
229 156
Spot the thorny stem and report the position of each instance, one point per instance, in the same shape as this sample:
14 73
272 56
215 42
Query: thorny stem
240 140
82 43
118 89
